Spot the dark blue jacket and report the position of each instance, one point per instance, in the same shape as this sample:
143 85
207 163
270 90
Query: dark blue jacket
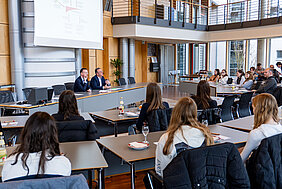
79 86
214 167
265 164
95 84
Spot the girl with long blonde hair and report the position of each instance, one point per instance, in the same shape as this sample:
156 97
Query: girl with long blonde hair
184 132
266 122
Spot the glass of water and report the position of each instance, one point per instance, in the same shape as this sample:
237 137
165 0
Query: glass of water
205 122
145 131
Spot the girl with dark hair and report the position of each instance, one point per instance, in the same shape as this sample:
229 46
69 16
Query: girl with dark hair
240 78
68 110
203 98
184 132
153 102
216 76
223 77
248 83
38 152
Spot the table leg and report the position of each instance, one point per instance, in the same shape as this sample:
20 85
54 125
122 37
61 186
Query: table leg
132 171
101 178
90 178
115 129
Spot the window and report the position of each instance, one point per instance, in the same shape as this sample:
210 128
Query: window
217 55
236 56
279 54
182 58
253 50
199 57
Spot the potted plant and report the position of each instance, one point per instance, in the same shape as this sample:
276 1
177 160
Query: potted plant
116 63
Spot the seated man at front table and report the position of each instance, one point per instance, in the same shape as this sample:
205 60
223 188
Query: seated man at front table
98 81
269 85
81 83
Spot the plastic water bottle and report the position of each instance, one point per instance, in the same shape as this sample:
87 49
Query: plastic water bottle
121 106
3 152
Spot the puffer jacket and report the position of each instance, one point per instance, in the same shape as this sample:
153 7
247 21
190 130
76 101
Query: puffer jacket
214 167
265 164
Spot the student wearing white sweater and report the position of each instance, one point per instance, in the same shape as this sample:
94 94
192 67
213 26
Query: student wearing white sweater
38 152
184 132
266 122
223 77
240 78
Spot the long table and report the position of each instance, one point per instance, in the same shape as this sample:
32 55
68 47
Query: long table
216 89
91 101
84 155
20 120
245 124
119 145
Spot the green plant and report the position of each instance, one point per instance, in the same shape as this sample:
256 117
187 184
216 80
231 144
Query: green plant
116 63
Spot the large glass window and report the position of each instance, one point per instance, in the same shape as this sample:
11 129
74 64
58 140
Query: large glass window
275 50
217 55
252 50
182 58
236 56
199 57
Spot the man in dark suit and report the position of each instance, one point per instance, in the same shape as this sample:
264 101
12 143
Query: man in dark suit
81 83
98 81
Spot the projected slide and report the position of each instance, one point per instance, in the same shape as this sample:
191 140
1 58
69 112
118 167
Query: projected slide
69 23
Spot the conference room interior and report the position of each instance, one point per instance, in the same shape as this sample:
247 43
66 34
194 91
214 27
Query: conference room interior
140 94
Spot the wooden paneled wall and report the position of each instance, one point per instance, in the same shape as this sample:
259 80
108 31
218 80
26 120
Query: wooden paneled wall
5 71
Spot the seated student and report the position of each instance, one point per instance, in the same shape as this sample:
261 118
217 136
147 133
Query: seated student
269 85
153 102
223 77
98 81
184 132
216 75
240 78
266 122
38 152
248 83
203 98
81 84
68 110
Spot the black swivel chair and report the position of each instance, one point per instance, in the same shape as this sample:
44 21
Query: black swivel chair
131 80
73 131
121 81
229 81
227 108
211 114
158 120
69 86
278 95
58 89
27 92
243 107
5 97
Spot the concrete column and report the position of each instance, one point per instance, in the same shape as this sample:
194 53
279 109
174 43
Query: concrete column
124 57
16 50
261 51
131 58
78 64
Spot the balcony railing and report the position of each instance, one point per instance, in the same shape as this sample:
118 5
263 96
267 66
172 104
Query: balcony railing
185 14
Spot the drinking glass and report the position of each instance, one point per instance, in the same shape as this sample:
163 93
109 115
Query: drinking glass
145 131
205 122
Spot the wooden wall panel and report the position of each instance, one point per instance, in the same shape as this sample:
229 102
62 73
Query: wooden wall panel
4 40
138 61
5 71
4 19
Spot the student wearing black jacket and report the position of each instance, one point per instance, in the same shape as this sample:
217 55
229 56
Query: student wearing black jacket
153 102
81 84
68 110
269 85
98 81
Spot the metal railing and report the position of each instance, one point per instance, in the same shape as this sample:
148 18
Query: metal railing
243 11
186 12
171 10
